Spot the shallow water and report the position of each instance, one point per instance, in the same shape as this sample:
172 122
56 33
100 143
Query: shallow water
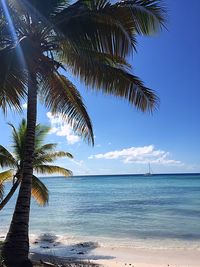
162 211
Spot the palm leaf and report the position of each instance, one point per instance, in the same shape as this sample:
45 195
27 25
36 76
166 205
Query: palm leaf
6 158
39 191
51 169
45 148
12 79
67 51
148 16
43 158
40 133
112 80
18 139
4 176
59 154
110 28
61 96
44 9
88 25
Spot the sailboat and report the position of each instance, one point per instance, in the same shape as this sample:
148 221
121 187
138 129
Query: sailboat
149 171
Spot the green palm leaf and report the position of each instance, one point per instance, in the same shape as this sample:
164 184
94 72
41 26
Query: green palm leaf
39 191
6 158
45 148
110 28
148 16
40 133
62 97
12 79
112 80
18 138
4 176
101 30
51 169
43 158
68 51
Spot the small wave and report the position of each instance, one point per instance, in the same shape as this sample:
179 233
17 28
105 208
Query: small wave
63 244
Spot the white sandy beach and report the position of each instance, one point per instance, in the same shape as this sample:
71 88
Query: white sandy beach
149 258
50 248
117 256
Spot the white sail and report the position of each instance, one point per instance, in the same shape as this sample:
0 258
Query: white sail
149 171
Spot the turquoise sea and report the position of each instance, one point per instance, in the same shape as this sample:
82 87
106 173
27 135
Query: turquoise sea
162 211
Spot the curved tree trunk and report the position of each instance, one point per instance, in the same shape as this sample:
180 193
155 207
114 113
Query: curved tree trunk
16 247
9 195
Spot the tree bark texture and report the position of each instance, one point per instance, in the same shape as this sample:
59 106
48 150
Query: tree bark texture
16 247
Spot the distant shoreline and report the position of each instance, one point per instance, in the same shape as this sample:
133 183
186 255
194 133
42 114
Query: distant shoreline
131 174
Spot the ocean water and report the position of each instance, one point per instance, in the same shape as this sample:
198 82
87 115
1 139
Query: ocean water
161 211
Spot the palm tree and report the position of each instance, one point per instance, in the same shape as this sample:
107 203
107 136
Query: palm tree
44 155
41 44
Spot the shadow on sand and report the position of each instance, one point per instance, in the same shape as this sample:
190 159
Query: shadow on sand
49 248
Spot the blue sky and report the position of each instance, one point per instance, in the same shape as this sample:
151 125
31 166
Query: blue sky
125 139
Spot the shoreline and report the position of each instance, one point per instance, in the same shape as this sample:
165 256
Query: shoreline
49 248
115 254
119 257
63 241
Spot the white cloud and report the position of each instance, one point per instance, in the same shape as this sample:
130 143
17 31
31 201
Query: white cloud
24 106
143 154
61 128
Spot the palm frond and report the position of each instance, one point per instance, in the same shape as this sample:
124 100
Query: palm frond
18 139
6 158
6 175
51 169
67 51
59 154
92 25
13 79
45 148
44 9
148 16
39 191
110 28
40 133
112 80
61 96
43 158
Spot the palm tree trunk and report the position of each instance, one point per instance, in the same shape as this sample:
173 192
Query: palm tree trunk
16 247
9 195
